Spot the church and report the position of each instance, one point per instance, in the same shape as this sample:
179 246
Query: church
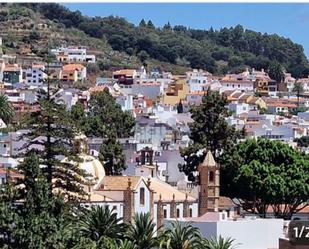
146 192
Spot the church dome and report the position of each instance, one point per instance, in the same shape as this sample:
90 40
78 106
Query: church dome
89 164
92 166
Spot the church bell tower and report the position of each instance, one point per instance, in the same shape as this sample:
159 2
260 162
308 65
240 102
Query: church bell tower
209 185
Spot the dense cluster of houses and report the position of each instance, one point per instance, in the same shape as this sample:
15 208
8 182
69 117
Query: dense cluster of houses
152 182
69 66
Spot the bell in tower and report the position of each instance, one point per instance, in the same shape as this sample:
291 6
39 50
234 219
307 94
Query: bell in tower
209 185
147 156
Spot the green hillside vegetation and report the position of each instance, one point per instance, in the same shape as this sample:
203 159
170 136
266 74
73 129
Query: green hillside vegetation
217 51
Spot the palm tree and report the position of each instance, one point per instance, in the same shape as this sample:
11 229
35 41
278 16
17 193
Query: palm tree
298 89
143 232
181 236
219 243
6 110
100 221
276 72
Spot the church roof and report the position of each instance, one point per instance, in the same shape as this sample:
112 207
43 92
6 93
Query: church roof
167 192
98 196
161 189
119 183
209 160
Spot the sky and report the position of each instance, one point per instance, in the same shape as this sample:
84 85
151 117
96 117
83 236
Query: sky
288 20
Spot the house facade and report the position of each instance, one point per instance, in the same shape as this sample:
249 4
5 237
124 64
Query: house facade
73 54
35 76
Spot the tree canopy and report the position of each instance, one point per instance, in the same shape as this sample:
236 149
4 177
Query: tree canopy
236 46
265 174
209 131
105 119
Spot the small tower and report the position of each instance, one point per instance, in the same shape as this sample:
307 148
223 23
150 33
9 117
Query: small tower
209 185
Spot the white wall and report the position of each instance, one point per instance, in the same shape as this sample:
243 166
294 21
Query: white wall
249 234
248 86
142 208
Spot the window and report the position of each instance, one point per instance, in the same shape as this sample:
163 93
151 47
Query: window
190 212
211 176
178 213
164 213
142 196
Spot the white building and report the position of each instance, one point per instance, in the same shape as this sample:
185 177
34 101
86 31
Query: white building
35 76
305 83
248 233
239 108
242 85
73 54
289 81
197 80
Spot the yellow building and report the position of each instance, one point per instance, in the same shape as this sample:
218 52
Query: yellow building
176 91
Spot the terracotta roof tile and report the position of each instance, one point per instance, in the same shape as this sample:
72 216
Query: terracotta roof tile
73 67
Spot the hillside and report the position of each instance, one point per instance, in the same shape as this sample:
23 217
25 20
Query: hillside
119 43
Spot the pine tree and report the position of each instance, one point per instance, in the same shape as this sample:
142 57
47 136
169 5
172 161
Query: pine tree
209 131
142 23
105 119
105 116
150 25
8 215
111 154
180 107
79 116
42 220
167 26
50 133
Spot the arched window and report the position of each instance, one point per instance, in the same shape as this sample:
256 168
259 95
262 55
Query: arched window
142 196
211 176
